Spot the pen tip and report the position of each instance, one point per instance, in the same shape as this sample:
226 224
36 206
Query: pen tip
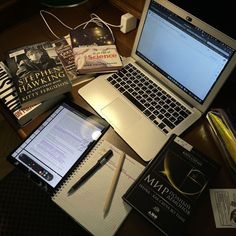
69 193
104 214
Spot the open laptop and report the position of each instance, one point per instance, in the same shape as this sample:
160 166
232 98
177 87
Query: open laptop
183 63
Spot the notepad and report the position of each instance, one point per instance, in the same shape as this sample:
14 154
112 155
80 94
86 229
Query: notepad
86 204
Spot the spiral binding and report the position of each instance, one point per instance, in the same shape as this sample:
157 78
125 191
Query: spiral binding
75 171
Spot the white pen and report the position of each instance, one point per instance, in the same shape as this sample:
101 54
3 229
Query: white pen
113 184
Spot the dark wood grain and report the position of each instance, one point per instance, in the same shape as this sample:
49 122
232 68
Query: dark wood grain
34 30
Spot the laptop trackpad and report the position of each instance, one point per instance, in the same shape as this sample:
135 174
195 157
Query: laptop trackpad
120 114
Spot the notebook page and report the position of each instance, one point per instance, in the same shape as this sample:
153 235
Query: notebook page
86 204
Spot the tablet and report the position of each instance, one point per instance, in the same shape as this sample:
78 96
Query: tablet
58 144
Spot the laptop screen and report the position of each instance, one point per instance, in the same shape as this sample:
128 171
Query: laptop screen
183 53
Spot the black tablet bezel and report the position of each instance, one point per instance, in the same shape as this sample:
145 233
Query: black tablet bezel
42 183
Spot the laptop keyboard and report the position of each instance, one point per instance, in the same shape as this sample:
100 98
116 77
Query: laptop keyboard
162 109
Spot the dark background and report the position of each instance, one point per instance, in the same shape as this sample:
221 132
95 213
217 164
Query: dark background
220 15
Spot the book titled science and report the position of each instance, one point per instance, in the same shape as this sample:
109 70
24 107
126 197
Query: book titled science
38 73
170 186
97 59
94 51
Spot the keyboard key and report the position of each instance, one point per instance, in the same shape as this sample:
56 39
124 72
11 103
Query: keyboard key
168 123
148 97
134 101
147 113
161 125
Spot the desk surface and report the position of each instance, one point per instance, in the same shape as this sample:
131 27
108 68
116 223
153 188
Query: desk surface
34 30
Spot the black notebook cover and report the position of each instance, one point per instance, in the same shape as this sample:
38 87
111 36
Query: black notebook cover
25 209
169 187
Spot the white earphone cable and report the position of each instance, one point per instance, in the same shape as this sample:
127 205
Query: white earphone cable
94 19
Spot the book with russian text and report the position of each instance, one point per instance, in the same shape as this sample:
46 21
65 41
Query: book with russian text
38 73
170 186
10 101
94 50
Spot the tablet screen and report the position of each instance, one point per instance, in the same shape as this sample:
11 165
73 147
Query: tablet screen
59 142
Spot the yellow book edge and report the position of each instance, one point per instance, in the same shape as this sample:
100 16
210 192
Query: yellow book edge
225 138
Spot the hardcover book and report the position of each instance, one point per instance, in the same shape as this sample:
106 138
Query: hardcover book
168 189
38 73
65 54
94 51
97 59
10 101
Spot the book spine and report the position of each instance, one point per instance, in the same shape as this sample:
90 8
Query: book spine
224 139
9 96
65 54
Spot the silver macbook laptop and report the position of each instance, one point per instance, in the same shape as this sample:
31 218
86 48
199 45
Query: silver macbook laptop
177 66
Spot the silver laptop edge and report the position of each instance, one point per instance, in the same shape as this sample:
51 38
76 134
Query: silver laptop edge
133 126
203 26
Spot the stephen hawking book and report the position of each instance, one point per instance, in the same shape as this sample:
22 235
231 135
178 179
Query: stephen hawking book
10 101
38 73
168 189
94 50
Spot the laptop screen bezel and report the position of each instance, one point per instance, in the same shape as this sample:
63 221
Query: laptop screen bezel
202 107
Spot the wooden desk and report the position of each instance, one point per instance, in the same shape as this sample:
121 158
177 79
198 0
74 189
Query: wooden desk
34 30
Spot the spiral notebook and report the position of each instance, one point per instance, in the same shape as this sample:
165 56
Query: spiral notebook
86 204
64 147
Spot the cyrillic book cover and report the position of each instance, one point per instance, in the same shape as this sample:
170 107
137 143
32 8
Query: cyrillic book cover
170 186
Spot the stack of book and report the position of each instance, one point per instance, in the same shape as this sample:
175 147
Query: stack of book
35 77
223 130
94 50
11 103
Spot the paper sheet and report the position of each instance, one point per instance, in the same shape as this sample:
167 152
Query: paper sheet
224 207
86 204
